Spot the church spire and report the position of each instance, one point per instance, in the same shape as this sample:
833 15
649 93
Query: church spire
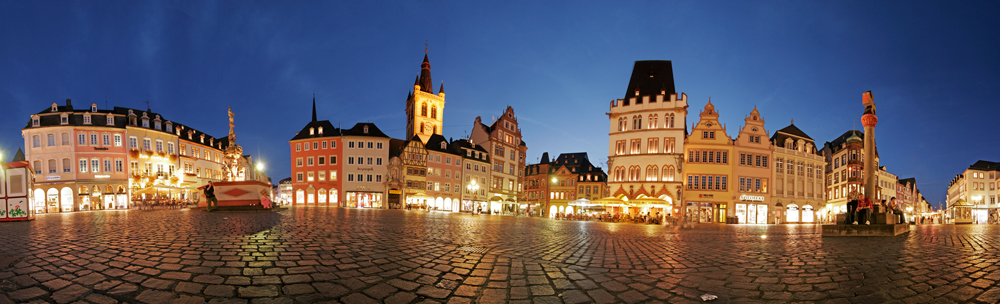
426 84
314 107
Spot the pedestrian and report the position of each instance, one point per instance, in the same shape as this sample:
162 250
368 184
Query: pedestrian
852 208
210 197
864 209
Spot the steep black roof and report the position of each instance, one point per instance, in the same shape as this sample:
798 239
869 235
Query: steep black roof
983 165
434 144
396 147
328 130
359 130
792 130
18 156
651 76
458 146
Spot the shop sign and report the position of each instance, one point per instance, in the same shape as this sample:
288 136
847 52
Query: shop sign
366 169
102 176
101 148
706 195
751 198
363 188
53 177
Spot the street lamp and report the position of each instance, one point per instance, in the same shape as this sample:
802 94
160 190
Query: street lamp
260 166
474 189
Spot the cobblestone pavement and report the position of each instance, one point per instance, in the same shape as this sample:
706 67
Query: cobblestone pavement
393 256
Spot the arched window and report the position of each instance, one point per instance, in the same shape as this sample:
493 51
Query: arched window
421 127
621 124
668 173
639 123
423 109
435 127
434 111
670 120
652 122
322 195
652 173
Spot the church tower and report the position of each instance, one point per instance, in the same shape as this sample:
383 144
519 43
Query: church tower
424 109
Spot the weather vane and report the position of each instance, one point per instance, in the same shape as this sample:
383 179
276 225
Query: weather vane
425 46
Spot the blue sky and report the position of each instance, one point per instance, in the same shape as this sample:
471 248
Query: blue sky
933 67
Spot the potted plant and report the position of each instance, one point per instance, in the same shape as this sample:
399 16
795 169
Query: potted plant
134 153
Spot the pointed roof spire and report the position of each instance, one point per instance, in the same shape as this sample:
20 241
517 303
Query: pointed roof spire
416 81
426 84
18 156
314 107
441 90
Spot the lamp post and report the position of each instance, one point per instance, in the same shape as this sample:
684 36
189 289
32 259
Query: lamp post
474 190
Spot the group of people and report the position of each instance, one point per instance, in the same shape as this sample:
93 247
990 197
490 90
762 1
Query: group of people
860 209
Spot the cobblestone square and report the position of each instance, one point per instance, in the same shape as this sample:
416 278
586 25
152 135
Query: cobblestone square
307 255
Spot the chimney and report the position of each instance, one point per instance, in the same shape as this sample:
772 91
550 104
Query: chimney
69 104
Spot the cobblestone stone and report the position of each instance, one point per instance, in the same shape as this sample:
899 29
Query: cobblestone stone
393 256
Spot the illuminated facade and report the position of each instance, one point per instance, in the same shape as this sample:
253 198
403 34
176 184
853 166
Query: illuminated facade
366 154
974 192
316 163
444 174
708 171
79 158
844 169
503 140
752 176
550 186
646 137
798 184
475 176
424 109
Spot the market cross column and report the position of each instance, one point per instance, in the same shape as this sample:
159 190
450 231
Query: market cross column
869 120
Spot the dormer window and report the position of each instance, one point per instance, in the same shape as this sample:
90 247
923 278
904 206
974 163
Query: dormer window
366 129
312 131
64 119
34 121
93 107
444 145
145 122
170 127
203 138
55 107
111 120
86 118
320 130
157 125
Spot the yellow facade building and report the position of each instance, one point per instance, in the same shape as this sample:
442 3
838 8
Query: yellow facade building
708 193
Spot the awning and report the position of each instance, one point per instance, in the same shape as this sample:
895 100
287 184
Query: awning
581 202
420 196
159 189
611 200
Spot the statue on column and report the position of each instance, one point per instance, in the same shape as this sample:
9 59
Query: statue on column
231 162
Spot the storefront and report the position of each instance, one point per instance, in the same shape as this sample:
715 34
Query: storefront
364 199
751 209
962 212
704 212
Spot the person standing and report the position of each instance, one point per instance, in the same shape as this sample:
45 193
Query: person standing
210 197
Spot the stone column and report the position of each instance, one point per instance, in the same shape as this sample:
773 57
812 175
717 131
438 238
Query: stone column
869 120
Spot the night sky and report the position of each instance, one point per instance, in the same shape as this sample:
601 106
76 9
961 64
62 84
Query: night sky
934 68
